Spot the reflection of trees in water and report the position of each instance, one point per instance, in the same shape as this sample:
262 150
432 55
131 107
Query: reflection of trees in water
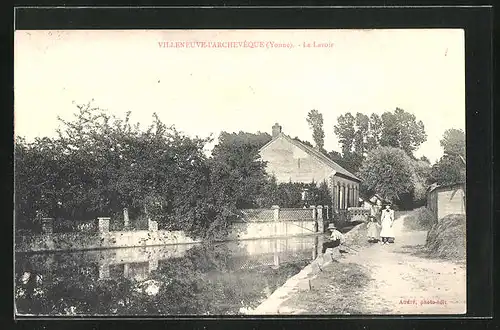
202 281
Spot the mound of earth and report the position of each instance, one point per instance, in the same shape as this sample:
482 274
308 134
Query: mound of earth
446 239
356 237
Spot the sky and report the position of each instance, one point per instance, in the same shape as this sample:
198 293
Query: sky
240 80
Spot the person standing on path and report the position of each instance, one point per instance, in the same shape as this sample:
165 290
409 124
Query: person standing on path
373 225
387 220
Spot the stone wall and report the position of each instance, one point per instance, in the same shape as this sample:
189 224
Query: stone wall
255 230
106 239
86 241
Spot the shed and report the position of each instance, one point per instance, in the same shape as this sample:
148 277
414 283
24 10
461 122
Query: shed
443 200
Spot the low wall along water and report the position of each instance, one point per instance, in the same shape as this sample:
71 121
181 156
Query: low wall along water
118 239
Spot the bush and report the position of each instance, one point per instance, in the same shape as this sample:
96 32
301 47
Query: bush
419 219
446 239
289 194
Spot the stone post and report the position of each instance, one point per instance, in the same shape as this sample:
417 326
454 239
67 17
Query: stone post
319 210
313 208
319 221
152 225
276 213
126 270
125 218
103 224
315 248
103 272
47 225
153 265
276 260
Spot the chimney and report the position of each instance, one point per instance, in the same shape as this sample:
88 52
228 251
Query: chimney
276 130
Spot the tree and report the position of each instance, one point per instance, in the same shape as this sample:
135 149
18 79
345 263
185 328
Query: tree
39 185
256 141
315 121
237 174
387 171
374 132
401 130
361 134
397 129
307 143
100 164
352 161
421 172
453 142
425 159
450 168
345 131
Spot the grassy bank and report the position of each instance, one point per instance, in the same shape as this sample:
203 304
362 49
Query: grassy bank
419 219
335 290
446 239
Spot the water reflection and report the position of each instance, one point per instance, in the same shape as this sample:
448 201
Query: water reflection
218 279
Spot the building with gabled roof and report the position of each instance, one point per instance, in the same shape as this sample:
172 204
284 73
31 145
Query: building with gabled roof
290 160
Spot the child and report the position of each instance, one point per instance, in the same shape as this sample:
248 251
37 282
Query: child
373 229
335 242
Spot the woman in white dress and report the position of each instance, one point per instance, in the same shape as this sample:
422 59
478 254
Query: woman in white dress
387 220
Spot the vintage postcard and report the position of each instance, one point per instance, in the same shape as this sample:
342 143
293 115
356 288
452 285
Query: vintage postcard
230 172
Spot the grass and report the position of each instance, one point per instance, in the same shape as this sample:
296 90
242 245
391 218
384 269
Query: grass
446 239
336 290
356 238
419 219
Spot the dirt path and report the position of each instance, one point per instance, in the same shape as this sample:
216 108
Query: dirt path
402 281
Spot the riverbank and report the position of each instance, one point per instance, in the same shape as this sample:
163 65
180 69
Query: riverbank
398 278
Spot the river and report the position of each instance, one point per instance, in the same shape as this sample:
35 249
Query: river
217 279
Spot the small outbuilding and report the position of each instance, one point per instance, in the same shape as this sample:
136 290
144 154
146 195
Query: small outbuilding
443 200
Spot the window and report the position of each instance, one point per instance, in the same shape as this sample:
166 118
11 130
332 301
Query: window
298 162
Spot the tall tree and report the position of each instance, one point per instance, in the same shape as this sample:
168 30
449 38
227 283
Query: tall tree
345 131
453 142
361 134
401 130
374 132
315 121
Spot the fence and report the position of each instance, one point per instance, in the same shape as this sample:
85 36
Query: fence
296 214
358 214
256 215
67 226
283 214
